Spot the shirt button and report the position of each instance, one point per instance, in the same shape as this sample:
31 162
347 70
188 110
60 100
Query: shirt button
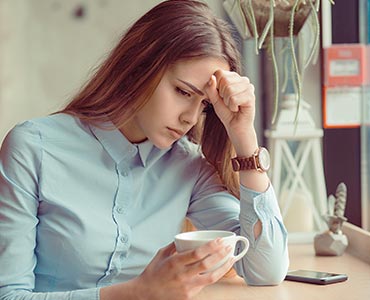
124 239
124 173
120 210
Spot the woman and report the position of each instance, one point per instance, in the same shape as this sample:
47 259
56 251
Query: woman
90 194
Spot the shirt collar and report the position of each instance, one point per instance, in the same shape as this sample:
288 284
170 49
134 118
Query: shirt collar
114 142
117 145
144 149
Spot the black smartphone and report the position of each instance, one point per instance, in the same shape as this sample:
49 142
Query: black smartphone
315 277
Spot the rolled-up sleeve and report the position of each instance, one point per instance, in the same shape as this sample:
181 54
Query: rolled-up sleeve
267 260
212 207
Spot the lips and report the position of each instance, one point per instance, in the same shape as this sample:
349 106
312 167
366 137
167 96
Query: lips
176 133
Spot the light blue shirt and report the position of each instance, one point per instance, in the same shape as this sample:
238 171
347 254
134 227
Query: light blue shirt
81 208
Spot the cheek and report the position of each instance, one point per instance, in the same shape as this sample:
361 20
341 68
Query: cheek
155 113
163 103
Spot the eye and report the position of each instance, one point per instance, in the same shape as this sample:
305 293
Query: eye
207 105
182 92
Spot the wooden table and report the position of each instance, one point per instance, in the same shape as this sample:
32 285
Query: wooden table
302 256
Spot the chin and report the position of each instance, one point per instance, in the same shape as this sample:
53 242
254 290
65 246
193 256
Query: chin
163 144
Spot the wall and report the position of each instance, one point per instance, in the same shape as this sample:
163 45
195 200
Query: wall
47 52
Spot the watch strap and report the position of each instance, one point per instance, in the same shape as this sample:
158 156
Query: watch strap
260 161
244 163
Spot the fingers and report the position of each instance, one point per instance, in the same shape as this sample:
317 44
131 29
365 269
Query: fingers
230 82
193 262
203 258
237 94
165 252
213 94
208 262
212 277
173 275
236 91
193 256
169 249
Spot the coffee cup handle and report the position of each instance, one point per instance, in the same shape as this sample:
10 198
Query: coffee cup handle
245 249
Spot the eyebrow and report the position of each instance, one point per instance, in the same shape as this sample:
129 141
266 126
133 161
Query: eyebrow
195 89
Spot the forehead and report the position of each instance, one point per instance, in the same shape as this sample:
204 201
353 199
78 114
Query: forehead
201 68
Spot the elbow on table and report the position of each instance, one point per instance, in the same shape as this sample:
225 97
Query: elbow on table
267 279
270 279
273 276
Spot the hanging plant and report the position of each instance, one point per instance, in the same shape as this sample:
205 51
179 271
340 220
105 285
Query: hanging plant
266 20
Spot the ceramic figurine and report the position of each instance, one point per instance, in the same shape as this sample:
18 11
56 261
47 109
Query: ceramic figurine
333 242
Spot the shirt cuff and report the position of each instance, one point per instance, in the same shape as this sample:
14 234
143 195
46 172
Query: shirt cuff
255 205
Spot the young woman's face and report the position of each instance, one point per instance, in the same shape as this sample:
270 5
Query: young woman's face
176 104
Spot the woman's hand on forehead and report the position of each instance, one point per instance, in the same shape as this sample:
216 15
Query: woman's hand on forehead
232 97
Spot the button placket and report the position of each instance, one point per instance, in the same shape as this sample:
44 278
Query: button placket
124 194
123 255
120 205
124 239
124 173
120 210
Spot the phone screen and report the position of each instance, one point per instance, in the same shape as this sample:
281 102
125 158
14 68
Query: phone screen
315 277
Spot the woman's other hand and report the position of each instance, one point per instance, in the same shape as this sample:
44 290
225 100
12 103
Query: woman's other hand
172 275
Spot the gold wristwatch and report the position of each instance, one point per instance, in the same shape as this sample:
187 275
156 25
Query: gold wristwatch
260 161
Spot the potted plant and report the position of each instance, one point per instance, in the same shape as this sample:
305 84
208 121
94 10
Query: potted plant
266 20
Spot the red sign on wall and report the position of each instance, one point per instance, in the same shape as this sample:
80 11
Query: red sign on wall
346 65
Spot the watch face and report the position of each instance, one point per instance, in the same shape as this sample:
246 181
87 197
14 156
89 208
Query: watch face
264 159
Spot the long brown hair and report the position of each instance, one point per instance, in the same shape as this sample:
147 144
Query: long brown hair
171 31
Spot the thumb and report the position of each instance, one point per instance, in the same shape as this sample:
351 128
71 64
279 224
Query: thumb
169 249
164 252
214 97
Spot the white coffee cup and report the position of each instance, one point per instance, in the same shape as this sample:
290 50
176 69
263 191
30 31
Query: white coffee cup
193 239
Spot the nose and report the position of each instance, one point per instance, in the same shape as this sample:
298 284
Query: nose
191 115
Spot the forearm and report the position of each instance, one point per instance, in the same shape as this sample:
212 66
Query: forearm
8 293
122 291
